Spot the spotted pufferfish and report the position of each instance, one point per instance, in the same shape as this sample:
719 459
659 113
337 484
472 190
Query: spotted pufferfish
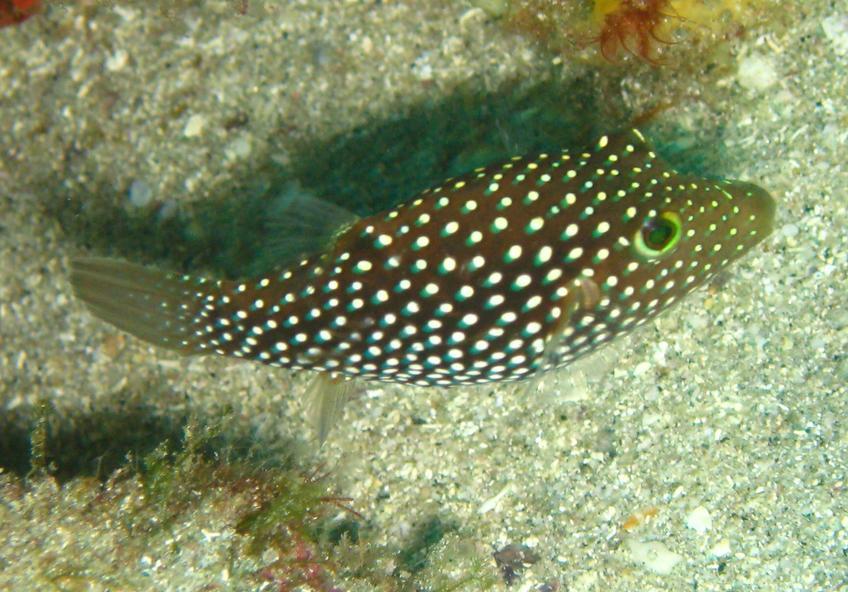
505 273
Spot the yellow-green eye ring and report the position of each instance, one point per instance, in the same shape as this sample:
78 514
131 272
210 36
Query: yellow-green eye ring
658 235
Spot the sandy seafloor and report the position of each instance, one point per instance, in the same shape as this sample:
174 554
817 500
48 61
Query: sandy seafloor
724 421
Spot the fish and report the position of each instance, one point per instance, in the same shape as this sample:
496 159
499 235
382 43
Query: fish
505 273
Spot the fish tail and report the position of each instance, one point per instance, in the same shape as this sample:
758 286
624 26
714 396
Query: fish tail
159 307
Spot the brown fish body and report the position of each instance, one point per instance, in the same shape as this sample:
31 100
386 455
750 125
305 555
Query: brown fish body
510 270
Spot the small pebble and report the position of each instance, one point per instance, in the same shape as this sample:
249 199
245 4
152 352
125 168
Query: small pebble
239 148
838 319
697 321
194 126
641 368
653 556
422 68
835 28
491 503
140 194
699 520
757 72
168 209
789 231
117 60
721 549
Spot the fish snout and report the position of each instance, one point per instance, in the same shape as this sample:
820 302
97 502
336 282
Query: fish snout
758 208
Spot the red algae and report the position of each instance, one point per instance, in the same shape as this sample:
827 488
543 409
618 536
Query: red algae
14 12
631 26
640 29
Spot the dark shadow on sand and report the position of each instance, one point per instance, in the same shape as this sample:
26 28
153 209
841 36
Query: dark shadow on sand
369 169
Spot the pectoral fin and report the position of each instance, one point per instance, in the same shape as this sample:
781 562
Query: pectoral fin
583 296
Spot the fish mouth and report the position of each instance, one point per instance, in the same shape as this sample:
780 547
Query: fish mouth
764 206
757 206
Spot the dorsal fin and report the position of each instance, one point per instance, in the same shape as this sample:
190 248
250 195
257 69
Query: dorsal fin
301 224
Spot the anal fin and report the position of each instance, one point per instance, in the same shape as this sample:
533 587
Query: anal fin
326 396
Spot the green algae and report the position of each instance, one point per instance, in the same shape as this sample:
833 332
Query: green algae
429 533
198 504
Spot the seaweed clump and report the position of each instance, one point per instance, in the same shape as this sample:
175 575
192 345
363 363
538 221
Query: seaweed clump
192 517
618 29
631 26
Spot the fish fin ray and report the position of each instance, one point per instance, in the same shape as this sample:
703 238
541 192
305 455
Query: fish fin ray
153 305
326 396
583 295
301 224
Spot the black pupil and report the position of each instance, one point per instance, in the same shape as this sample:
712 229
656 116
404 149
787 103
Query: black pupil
657 233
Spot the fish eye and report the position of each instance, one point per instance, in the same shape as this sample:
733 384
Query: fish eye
658 235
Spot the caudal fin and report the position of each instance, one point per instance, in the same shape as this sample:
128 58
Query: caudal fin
156 306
